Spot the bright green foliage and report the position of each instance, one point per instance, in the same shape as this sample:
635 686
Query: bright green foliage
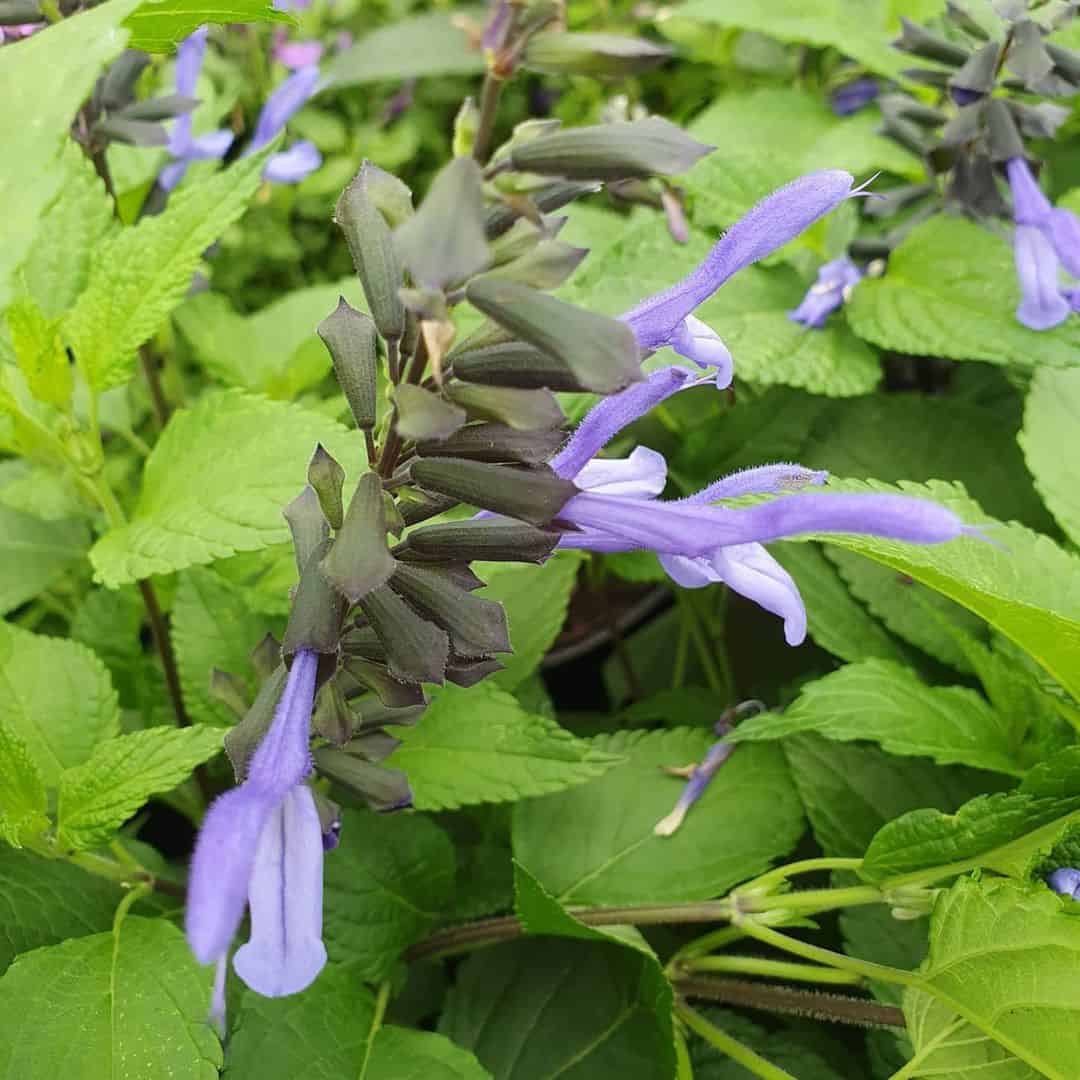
274 351
1051 418
83 1008
1001 959
609 854
39 352
56 697
535 599
160 25
34 553
33 175
23 802
951 291
215 485
43 901
886 703
213 628
385 887
97 797
480 745
1001 831
139 274
570 1009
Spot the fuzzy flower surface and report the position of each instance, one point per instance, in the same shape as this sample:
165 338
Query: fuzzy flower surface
261 848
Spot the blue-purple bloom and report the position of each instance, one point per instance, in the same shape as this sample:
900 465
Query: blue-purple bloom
833 286
288 167
261 846
854 95
1065 882
1046 239
698 778
667 318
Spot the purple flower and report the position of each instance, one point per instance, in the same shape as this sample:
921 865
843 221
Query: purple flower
1065 882
294 54
261 846
833 286
20 30
1046 238
853 96
666 318
698 778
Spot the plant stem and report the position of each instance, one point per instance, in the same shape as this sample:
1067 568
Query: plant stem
701 642
485 127
810 901
153 383
734 1049
775 969
803 866
121 873
789 1001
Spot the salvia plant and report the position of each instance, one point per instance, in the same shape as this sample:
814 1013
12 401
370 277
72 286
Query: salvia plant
539 540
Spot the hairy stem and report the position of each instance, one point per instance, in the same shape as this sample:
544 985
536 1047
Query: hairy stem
775 969
485 127
734 1049
158 400
122 873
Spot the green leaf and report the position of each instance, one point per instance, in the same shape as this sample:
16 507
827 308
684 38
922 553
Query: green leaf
951 290
1022 583
212 627
140 273
158 26
275 350
38 113
535 599
1000 958
480 745
71 229
56 697
888 704
330 1032
40 353
431 44
607 851
1051 416
23 802
860 29
215 485
851 791
386 886
573 1009
133 1005
836 620
35 553
44 901
97 797
1002 831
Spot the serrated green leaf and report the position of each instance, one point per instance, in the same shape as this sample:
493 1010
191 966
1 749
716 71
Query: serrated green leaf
836 620
607 851
1000 959
535 599
140 273
329 1032
888 704
23 802
35 553
38 113
1022 583
213 627
386 885
215 485
57 697
479 745
1051 420
44 901
858 28
40 353
158 26
573 1009
58 262
434 43
951 290
85 1008
97 797
1000 831
275 350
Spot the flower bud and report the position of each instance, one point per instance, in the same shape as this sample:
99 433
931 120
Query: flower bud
308 525
326 477
919 41
416 649
515 364
360 560
424 415
526 410
315 620
382 789
350 337
490 539
497 443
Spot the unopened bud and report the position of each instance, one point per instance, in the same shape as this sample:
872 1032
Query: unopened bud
326 476
308 525
526 410
317 611
382 789
515 364
490 539
497 443
919 41
416 649
424 415
360 560
350 337
466 124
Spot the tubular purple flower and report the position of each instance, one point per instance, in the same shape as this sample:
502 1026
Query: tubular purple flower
853 96
282 104
1042 304
1063 230
1065 882
292 165
697 782
769 225
189 60
833 286
760 480
1030 205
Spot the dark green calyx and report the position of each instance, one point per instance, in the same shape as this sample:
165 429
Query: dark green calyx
360 559
351 339
326 477
497 443
317 611
515 364
526 410
308 525
484 539
416 649
424 415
